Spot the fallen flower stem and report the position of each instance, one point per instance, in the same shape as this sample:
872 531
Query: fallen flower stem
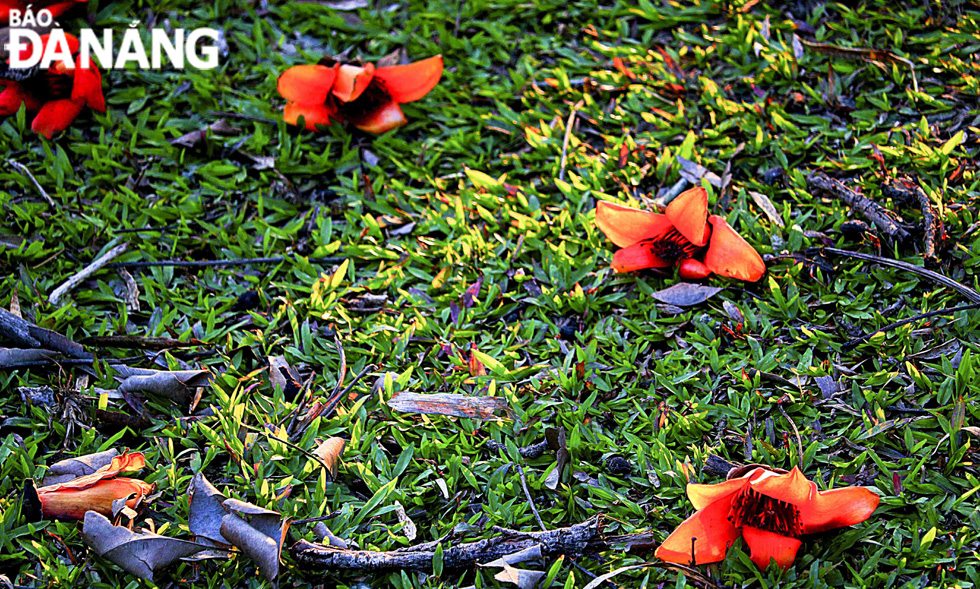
27 173
574 540
963 289
568 137
851 344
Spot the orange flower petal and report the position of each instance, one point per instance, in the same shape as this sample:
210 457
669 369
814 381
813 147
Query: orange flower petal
638 256
837 508
792 487
708 532
704 495
307 84
385 118
12 96
626 226
129 462
730 255
71 503
352 81
691 269
55 116
406 83
689 213
765 546
313 114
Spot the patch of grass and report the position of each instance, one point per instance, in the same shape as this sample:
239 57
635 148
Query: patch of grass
573 344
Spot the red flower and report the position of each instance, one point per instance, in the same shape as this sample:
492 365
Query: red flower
652 240
769 511
366 96
57 94
95 492
56 7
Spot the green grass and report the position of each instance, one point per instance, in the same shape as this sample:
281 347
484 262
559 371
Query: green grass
716 84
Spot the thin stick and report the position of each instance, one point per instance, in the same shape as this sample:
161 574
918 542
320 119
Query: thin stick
568 137
311 520
335 400
85 272
26 172
210 263
530 501
288 443
799 440
235 115
860 340
963 289
889 223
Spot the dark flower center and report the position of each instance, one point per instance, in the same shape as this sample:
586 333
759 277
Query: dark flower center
374 97
672 247
765 513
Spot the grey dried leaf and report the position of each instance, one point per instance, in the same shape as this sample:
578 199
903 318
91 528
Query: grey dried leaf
763 202
557 440
408 526
279 369
322 532
686 294
176 385
530 553
206 510
72 468
258 533
139 553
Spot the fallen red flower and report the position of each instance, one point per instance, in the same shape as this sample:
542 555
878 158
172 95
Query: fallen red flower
96 491
770 511
367 97
57 94
654 240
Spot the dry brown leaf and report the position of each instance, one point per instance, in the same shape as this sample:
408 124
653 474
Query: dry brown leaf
330 452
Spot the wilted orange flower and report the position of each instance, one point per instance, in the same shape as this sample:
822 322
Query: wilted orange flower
770 511
678 237
367 97
57 94
96 491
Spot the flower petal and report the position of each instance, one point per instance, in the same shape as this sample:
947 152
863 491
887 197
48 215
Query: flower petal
638 256
70 503
765 546
689 213
708 532
406 83
55 116
691 269
129 462
87 86
791 487
307 84
704 495
313 114
838 508
12 96
352 81
626 226
385 118
730 255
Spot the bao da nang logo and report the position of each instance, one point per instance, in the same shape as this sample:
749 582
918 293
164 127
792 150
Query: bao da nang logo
26 48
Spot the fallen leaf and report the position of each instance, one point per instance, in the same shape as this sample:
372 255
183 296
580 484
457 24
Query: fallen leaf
206 510
257 532
733 312
449 404
284 377
72 468
693 172
330 452
557 440
767 207
173 384
408 526
139 553
686 294
523 578
530 553
198 137
322 532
